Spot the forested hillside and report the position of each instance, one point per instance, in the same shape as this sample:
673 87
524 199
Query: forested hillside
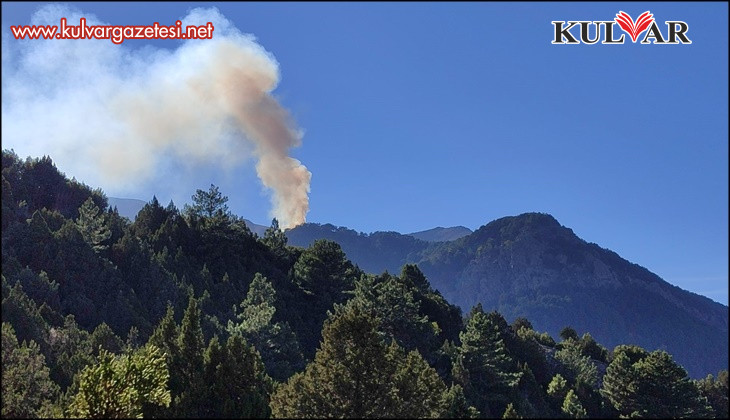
186 313
531 266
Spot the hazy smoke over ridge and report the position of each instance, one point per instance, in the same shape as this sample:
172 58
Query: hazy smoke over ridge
113 113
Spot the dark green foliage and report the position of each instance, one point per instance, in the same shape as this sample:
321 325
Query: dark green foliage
277 344
521 322
239 387
71 351
26 384
510 412
209 203
84 289
23 313
572 406
651 385
275 239
568 333
716 392
103 337
456 406
483 366
557 390
92 226
190 364
120 386
355 374
323 275
392 301
578 369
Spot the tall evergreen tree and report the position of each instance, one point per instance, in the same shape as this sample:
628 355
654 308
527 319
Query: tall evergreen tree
26 384
191 346
237 385
277 344
354 374
455 405
275 239
716 392
483 366
209 203
120 386
572 406
651 385
92 225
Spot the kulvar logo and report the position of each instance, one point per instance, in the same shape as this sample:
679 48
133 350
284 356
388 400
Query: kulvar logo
676 30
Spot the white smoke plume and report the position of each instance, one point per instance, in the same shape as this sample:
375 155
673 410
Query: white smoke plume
113 114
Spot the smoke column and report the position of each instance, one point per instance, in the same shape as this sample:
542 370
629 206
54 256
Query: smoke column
113 114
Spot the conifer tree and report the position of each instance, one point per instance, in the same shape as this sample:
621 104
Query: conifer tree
26 384
557 389
191 348
92 225
237 384
716 392
510 412
455 405
483 366
120 386
644 384
572 406
354 374
276 342
275 239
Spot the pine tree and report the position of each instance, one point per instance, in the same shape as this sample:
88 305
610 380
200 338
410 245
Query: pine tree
276 342
209 203
237 385
483 366
578 369
455 405
716 392
354 374
510 412
572 406
92 225
644 384
275 239
418 388
26 384
119 386
392 301
619 383
557 390
664 389
191 345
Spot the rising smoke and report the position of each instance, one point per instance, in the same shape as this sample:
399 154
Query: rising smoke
112 113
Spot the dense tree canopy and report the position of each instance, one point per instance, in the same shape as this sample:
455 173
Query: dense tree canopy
189 314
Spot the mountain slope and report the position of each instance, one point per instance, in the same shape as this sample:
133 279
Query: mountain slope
374 253
530 265
441 234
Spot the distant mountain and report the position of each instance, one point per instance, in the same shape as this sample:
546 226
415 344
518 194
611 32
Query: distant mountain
374 253
441 234
529 265
257 229
127 207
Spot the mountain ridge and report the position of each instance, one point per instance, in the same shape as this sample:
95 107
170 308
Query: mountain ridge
530 265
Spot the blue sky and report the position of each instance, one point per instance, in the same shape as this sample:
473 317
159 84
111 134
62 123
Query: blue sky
436 114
